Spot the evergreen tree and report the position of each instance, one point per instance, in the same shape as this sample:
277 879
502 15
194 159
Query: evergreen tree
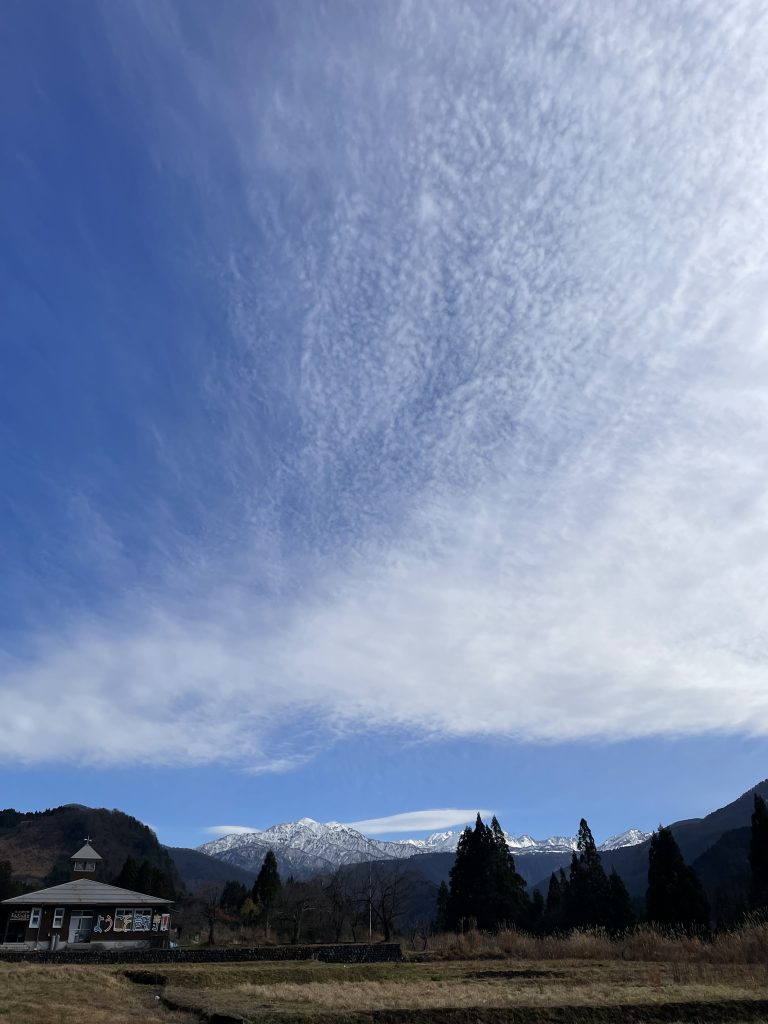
555 909
129 876
620 914
267 887
7 886
442 920
162 885
144 877
758 855
484 886
507 899
675 896
588 900
233 896
537 911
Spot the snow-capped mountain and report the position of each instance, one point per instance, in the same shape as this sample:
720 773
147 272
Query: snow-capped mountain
445 842
305 847
632 837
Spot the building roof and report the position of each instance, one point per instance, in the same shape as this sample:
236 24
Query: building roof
83 892
87 852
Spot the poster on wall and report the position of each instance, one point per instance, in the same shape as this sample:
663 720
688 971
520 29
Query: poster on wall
165 922
123 920
142 919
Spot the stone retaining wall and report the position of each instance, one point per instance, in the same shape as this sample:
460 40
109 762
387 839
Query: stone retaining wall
346 953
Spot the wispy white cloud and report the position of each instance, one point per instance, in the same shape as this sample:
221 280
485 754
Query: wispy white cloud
419 821
229 830
515 330
276 764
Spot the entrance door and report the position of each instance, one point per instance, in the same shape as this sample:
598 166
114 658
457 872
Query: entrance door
80 924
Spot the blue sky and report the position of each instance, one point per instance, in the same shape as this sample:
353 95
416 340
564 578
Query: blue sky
383 419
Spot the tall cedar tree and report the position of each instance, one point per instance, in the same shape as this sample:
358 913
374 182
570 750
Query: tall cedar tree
588 901
537 911
675 896
555 919
758 855
485 888
267 887
621 917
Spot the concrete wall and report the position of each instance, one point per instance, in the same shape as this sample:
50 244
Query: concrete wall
344 953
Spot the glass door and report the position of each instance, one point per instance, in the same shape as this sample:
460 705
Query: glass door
80 924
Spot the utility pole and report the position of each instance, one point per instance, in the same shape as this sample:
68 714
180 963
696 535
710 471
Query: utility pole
370 904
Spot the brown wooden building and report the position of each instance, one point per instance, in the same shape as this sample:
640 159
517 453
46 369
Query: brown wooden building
85 912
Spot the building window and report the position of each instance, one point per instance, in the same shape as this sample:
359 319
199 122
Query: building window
58 917
34 917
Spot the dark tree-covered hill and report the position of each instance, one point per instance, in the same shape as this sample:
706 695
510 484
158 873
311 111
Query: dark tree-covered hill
198 870
39 844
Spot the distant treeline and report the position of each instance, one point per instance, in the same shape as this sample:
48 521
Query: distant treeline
350 903
486 892
10 818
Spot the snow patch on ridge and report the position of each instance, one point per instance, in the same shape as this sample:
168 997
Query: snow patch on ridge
306 846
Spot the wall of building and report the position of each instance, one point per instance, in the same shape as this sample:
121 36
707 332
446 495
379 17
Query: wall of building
134 926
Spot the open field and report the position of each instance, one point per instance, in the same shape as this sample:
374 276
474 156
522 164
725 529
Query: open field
587 992
427 991
52 994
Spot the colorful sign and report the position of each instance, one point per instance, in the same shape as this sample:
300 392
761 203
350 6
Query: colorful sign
142 919
123 920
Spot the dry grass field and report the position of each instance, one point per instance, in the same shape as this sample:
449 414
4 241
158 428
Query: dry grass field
52 994
470 979
581 991
474 990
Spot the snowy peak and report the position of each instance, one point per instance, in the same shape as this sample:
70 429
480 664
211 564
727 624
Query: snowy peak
446 842
306 846
632 837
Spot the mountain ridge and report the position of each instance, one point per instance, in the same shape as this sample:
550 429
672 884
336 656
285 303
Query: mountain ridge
306 846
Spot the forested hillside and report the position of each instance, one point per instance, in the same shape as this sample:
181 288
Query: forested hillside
39 844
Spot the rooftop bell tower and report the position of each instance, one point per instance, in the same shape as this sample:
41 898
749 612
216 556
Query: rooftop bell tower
85 862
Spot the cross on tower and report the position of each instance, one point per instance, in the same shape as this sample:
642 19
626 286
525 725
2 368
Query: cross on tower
87 839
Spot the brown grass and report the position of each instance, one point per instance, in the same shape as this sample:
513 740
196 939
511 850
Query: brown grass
745 945
304 991
585 977
67 994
